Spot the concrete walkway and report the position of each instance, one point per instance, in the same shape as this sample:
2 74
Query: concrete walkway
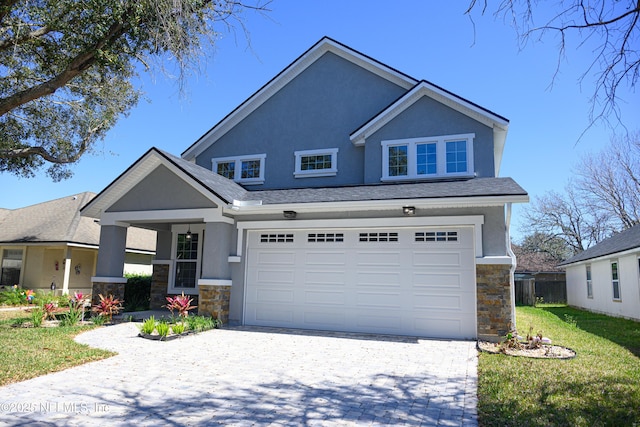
246 376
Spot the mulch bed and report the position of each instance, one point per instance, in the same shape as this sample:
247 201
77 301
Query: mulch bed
546 351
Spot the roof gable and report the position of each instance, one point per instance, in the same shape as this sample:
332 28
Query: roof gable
492 120
217 189
619 242
325 45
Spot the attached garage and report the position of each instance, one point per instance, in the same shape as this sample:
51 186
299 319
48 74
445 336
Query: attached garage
417 281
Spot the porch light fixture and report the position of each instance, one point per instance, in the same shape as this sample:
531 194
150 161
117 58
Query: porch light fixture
289 214
409 210
188 236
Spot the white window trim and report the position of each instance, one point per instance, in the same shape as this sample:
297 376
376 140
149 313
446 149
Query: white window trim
616 280
589 273
412 156
238 167
299 173
182 229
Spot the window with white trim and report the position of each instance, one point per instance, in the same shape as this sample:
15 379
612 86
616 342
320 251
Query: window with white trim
615 280
310 163
589 282
187 260
244 169
428 157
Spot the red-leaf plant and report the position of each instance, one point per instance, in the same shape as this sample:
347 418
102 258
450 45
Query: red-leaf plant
181 304
108 306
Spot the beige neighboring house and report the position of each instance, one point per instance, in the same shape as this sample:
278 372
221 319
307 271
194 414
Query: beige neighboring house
50 243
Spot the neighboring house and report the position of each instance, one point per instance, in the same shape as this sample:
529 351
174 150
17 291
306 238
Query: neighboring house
342 195
50 243
606 277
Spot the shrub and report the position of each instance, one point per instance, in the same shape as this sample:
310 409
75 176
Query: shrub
163 329
178 328
37 316
49 310
149 325
98 320
137 292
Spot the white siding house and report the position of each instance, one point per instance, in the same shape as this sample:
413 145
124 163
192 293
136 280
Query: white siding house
606 277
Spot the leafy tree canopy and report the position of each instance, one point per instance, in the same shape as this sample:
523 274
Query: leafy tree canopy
66 68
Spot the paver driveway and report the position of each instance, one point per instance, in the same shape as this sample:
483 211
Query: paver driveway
254 376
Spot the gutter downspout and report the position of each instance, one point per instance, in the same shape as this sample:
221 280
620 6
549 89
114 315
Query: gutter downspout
512 269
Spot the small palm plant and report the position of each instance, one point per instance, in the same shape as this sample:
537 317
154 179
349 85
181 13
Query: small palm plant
181 304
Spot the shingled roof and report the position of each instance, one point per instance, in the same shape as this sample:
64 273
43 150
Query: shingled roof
59 221
623 241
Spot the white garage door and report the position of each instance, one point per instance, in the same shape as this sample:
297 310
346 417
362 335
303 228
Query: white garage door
406 281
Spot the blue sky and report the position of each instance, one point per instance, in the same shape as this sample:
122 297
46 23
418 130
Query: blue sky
428 40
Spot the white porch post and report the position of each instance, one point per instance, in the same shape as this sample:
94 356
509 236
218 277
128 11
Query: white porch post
67 270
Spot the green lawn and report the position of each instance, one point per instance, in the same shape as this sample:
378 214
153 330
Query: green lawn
599 387
30 352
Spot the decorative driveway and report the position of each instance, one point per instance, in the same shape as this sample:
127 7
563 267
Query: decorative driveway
247 376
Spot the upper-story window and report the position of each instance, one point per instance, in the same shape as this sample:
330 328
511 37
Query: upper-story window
243 169
428 157
322 162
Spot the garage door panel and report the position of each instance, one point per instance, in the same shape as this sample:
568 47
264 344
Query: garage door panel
439 280
324 297
333 278
385 323
376 258
437 259
376 300
276 258
275 276
276 315
269 295
319 319
379 278
325 258
438 327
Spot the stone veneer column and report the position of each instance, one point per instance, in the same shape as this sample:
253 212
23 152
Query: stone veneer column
159 284
495 319
213 299
106 286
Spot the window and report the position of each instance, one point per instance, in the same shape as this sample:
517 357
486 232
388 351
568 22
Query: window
276 238
243 169
312 163
378 237
186 260
436 236
325 237
11 267
589 282
432 157
615 281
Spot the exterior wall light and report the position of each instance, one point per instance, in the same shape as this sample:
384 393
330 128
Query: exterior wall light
290 214
409 210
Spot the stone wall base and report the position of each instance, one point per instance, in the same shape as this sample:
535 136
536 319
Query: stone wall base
495 319
159 286
106 289
214 301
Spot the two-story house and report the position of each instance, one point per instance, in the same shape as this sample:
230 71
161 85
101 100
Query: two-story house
342 195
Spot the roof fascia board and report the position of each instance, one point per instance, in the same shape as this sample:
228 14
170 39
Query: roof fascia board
164 215
134 174
444 202
287 75
612 255
425 88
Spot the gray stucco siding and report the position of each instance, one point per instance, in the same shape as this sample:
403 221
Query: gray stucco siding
318 109
161 189
425 118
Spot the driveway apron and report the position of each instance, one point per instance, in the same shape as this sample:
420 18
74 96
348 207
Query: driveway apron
249 376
